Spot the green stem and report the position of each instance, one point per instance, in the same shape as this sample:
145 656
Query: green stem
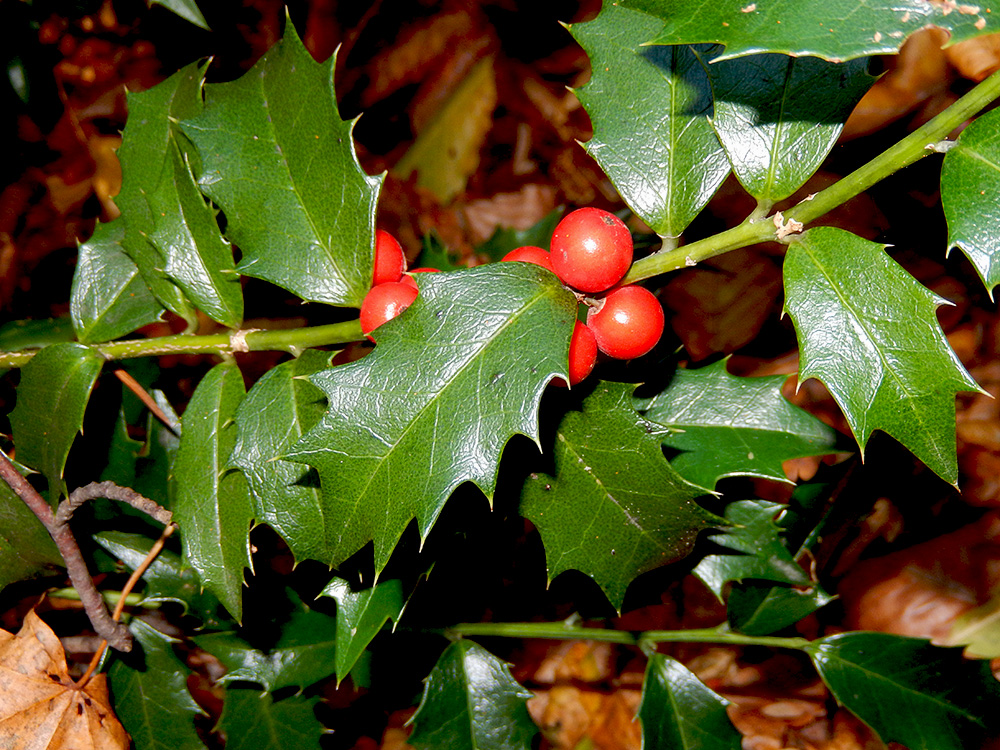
568 631
293 340
111 597
910 149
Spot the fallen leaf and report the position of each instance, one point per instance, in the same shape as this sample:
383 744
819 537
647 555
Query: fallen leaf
976 58
41 707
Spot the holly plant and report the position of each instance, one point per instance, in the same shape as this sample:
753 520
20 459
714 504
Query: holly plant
461 398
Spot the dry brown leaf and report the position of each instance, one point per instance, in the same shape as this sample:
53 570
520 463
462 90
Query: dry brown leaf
566 715
589 661
976 58
41 707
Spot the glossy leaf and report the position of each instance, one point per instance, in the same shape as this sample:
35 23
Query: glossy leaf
277 411
868 331
758 608
650 108
18 335
212 506
908 691
280 162
834 29
186 9
725 425
109 297
505 239
778 116
252 720
360 616
679 712
186 234
471 702
148 142
166 579
752 532
26 549
970 196
150 693
51 400
615 508
304 654
451 381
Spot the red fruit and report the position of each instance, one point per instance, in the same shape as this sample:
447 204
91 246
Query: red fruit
629 324
591 250
408 276
531 254
384 302
582 355
390 263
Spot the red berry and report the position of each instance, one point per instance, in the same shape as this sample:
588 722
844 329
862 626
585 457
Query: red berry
384 302
582 355
591 250
629 324
408 276
390 263
531 254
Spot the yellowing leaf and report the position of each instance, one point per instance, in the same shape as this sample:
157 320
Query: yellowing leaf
41 707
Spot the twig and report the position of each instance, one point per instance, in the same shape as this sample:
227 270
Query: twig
133 385
111 491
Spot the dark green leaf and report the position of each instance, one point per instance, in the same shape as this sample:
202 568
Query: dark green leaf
186 234
471 702
778 116
166 579
254 721
757 608
615 507
303 655
451 381
280 407
280 162
148 142
18 335
868 331
907 690
26 549
752 532
109 297
679 713
650 107
834 29
435 254
505 239
186 9
360 616
212 506
731 426
970 196
51 399
150 694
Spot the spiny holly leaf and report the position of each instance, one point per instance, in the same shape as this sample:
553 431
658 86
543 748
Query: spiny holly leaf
615 508
752 531
778 116
907 690
360 616
450 382
252 720
18 335
758 608
279 408
970 196
26 549
868 331
650 108
832 29
280 162
732 426
212 506
150 693
303 655
471 702
505 239
51 399
109 297
166 579
148 143
679 712
186 9
187 235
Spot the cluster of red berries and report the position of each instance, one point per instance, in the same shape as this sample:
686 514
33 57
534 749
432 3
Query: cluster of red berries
591 253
